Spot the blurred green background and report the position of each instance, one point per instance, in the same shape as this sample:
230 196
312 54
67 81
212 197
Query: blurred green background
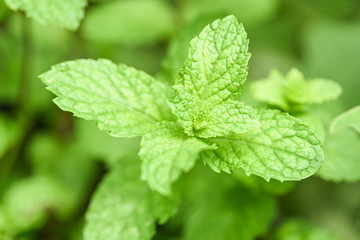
50 162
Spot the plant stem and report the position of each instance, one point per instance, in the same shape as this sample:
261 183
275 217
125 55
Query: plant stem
22 113
24 83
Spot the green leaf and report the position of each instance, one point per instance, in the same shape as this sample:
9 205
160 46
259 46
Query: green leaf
166 152
62 13
124 101
123 207
271 90
28 201
315 123
215 71
293 88
282 148
226 118
299 229
317 90
231 215
342 160
129 22
350 118
178 46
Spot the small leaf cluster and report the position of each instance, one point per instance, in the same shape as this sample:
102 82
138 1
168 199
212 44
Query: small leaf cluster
295 94
200 117
51 163
209 121
287 92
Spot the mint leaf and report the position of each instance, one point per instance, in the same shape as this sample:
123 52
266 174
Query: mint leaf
176 53
223 119
166 152
300 229
317 90
342 161
129 23
215 71
350 118
124 101
230 215
62 13
123 207
27 202
271 90
293 88
282 148
315 123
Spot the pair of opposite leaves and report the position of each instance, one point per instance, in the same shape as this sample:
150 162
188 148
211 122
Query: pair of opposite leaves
203 117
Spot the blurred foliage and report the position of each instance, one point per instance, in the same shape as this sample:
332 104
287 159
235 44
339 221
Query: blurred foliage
51 163
102 22
297 229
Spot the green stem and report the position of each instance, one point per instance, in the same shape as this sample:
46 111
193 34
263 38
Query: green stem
23 117
24 83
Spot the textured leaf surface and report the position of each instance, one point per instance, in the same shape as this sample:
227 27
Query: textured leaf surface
123 207
215 70
350 118
166 152
282 148
226 118
178 47
271 90
231 215
299 230
124 101
342 159
129 22
62 13
315 123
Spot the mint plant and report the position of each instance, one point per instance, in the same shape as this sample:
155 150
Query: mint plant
295 94
291 91
62 13
348 119
200 117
